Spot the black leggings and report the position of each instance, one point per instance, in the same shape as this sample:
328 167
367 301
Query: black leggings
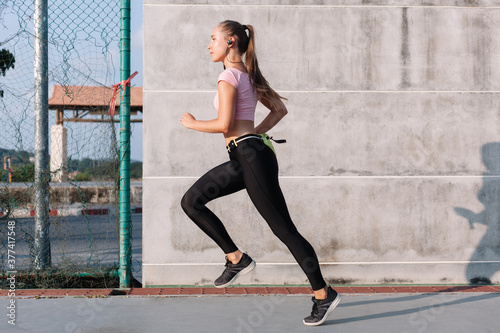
253 166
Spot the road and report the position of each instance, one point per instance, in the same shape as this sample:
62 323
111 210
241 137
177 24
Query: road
77 239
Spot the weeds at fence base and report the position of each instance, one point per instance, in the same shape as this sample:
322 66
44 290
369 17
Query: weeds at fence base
62 279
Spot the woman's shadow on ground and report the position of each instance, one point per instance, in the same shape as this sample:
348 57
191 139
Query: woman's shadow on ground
489 195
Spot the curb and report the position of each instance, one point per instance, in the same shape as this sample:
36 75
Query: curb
72 211
212 291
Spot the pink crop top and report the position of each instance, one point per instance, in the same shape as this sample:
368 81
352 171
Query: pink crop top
247 97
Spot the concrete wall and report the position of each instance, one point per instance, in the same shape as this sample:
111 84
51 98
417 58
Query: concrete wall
392 166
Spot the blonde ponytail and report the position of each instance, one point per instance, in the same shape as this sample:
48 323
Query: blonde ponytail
246 44
259 81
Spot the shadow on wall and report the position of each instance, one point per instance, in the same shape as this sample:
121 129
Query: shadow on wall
489 195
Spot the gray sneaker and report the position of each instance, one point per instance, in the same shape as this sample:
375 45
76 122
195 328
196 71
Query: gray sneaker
322 308
232 271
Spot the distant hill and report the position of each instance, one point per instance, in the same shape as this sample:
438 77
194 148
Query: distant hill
17 157
85 169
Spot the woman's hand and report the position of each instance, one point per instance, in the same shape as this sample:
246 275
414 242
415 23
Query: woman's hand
278 111
187 120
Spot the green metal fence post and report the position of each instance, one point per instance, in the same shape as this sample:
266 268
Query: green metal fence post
125 218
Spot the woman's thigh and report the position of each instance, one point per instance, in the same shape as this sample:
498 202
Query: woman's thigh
260 173
220 181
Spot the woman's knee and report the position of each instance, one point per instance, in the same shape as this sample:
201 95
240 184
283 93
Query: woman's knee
287 236
190 203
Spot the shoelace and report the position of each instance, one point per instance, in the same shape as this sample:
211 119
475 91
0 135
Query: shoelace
314 309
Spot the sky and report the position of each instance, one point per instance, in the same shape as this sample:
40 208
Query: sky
136 65
22 76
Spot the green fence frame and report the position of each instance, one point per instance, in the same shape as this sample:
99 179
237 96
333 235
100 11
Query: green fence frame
125 216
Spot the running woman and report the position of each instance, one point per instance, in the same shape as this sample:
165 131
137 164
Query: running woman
252 164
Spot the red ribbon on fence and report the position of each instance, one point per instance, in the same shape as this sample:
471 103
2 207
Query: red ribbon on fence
116 91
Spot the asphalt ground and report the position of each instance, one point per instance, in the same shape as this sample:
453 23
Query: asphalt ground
399 308
376 312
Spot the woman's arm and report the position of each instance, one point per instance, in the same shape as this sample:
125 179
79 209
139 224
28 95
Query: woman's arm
278 111
225 118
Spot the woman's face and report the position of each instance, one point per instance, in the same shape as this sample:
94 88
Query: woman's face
218 45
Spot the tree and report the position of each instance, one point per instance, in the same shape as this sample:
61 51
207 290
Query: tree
7 61
136 170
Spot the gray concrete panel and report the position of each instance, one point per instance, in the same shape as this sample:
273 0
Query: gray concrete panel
389 134
172 149
355 220
332 3
203 274
347 48
338 134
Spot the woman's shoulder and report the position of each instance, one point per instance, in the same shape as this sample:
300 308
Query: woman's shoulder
231 75
227 72
235 72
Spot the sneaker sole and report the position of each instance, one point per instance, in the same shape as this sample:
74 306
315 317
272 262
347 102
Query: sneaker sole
246 270
330 309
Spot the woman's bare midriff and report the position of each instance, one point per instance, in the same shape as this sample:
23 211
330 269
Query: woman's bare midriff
239 128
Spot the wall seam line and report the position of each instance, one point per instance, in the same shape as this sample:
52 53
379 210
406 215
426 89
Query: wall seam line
344 91
340 177
323 6
335 263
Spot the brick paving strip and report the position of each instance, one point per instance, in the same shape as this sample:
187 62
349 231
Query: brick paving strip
271 290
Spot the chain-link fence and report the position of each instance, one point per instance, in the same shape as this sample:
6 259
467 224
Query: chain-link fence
83 46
